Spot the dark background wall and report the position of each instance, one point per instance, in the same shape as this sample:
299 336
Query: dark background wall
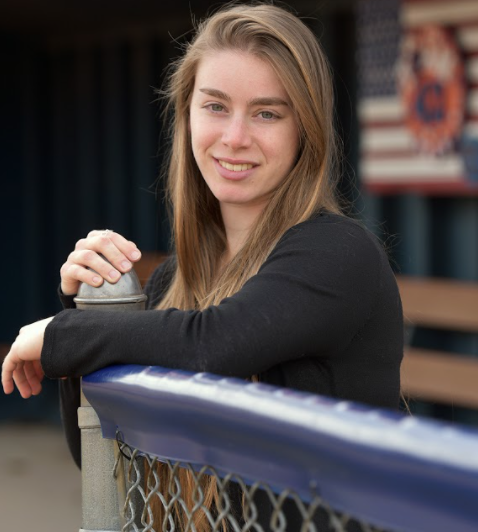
81 145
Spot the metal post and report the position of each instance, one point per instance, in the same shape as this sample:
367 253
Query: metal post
101 510
100 504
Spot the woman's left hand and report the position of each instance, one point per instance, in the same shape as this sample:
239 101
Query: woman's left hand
22 364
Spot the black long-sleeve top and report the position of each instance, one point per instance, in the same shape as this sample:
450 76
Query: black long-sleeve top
322 315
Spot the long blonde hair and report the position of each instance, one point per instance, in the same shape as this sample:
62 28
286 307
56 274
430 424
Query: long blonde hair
281 39
278 37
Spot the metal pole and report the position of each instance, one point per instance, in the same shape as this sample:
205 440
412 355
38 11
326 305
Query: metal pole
101 510
100 502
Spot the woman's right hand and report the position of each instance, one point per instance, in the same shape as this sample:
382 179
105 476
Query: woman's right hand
120 252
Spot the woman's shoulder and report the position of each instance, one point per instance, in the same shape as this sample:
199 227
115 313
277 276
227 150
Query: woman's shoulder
334 249
333 243
331 231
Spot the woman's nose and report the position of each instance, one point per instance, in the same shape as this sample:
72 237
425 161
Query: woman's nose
236 134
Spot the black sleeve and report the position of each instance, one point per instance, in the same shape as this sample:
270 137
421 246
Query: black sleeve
66 301
70 391
312 295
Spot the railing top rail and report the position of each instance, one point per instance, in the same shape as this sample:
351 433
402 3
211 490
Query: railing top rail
394 470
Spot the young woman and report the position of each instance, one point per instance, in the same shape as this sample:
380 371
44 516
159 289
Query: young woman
267 277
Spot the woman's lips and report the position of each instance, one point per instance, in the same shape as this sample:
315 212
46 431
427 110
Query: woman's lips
234 170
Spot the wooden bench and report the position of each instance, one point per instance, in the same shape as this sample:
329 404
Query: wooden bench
440 376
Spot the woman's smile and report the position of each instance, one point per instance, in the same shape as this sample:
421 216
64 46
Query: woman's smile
235 167
234 170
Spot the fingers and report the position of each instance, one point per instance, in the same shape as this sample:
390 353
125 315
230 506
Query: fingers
13 373
113 246
86 265
21 381
22 366
38 370
32 377
8 367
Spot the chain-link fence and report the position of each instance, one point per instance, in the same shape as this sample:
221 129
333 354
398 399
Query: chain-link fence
168 496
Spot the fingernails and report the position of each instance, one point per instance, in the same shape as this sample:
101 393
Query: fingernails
135 255
126 265
96 279
114 274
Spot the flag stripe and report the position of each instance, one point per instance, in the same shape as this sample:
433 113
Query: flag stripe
449 168
397 139
468 38
391 110
418 13
388 109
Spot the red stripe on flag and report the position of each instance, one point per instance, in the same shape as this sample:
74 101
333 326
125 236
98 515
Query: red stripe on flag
425 188
376 124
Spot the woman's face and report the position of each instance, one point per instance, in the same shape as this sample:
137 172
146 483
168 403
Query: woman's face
244 132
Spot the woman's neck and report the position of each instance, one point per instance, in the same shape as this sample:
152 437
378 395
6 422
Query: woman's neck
238 222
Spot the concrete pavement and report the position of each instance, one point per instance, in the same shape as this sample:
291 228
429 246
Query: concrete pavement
40 486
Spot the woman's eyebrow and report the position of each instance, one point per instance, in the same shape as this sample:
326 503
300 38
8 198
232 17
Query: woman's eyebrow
216 93
266 100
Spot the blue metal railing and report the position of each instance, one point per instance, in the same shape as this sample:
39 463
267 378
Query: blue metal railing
393 471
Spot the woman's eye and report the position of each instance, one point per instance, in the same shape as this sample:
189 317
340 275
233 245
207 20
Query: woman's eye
216 107
267 115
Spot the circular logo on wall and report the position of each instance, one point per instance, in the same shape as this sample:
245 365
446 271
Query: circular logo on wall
431 84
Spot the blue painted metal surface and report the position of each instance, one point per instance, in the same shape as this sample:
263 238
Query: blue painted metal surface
384 468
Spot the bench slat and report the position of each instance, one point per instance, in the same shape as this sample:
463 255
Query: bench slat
444 377
439 303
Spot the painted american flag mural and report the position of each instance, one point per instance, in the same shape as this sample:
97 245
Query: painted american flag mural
418 95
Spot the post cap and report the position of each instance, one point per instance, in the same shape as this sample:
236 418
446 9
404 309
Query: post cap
126 290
